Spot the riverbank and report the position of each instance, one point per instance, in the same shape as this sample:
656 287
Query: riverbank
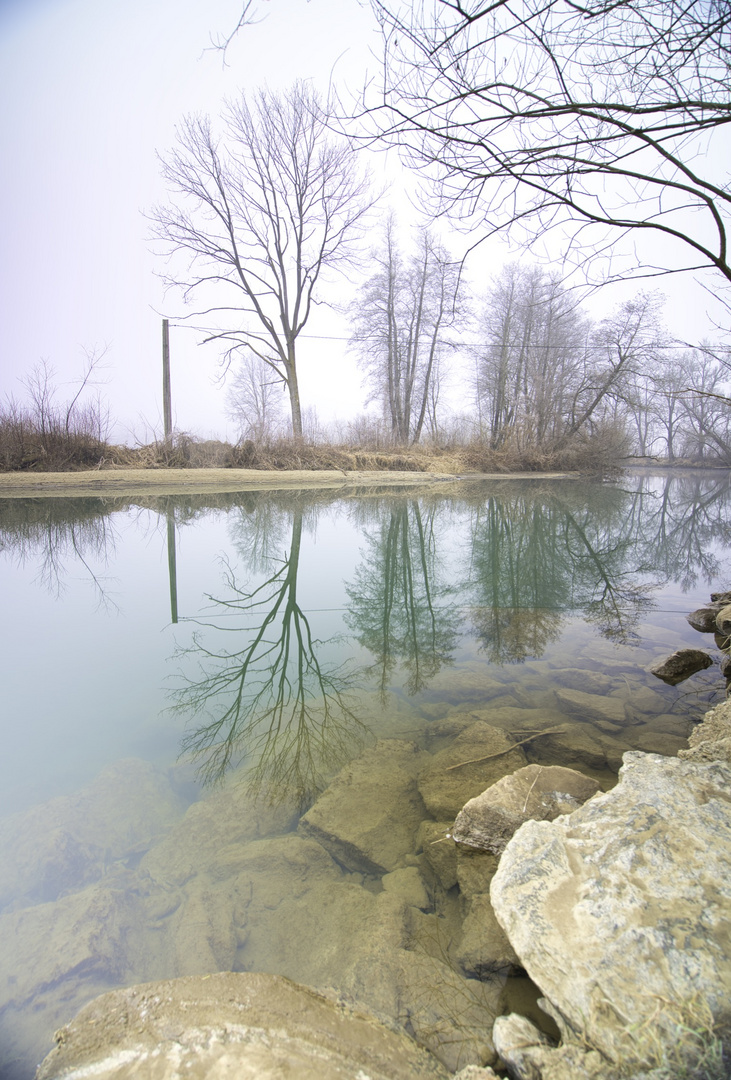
174 481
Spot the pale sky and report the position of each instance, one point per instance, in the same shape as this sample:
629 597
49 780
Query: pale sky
91 90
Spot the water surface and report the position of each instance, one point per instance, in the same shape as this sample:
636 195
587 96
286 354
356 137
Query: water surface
183 677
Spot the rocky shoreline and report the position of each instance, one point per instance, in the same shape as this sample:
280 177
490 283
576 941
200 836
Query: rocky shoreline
617 909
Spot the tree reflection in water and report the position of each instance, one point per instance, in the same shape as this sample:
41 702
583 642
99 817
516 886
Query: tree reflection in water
532 553
401 610
537 553
272 704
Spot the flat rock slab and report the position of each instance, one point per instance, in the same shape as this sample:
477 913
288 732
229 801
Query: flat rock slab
214 1027
368 818
537 792
595 707
483 754
619 912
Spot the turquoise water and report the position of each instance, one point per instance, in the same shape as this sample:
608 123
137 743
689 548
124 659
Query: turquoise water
282 633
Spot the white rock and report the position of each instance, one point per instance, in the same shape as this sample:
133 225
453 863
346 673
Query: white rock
619 912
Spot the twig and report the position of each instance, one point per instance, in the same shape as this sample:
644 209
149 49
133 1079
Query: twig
488 757
531 788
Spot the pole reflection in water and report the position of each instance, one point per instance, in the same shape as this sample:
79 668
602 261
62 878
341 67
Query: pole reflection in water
172 568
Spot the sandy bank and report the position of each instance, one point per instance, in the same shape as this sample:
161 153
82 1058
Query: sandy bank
173 481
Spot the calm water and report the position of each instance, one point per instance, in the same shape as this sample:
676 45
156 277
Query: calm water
184 676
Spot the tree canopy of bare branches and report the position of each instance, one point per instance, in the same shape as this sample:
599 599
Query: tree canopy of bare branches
545 373
592 118
402 319
260 211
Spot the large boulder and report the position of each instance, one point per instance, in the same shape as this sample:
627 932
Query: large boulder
479 756
251 1026
704 619
369 815
536 792
619 912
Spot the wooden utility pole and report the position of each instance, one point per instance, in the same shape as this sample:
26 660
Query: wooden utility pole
167 407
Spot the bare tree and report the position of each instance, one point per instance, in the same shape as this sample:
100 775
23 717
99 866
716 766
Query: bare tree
402 319
545 373
591 118
533 353
704 422
629 341
255 400
261 211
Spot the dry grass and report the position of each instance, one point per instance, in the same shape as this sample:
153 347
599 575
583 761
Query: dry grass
187 452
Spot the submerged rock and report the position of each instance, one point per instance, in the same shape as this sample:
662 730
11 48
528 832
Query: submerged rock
368 817
252 1026
681 665
435 838
484 946
478 756
475 871
619 912
71 841
594 707
589 682
536 792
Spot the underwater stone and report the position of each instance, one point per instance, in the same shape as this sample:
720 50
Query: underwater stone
483 753
484 946
592 706
439 851
252 1026
367 819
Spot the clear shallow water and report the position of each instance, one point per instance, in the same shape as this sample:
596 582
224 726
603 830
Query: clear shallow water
286 634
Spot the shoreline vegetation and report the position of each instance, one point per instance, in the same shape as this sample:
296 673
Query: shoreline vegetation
185 463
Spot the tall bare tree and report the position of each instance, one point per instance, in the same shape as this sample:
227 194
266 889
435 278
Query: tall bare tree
261 211
403 317
534 348
594 118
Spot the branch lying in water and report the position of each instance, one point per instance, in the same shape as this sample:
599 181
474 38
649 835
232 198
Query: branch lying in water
488 757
